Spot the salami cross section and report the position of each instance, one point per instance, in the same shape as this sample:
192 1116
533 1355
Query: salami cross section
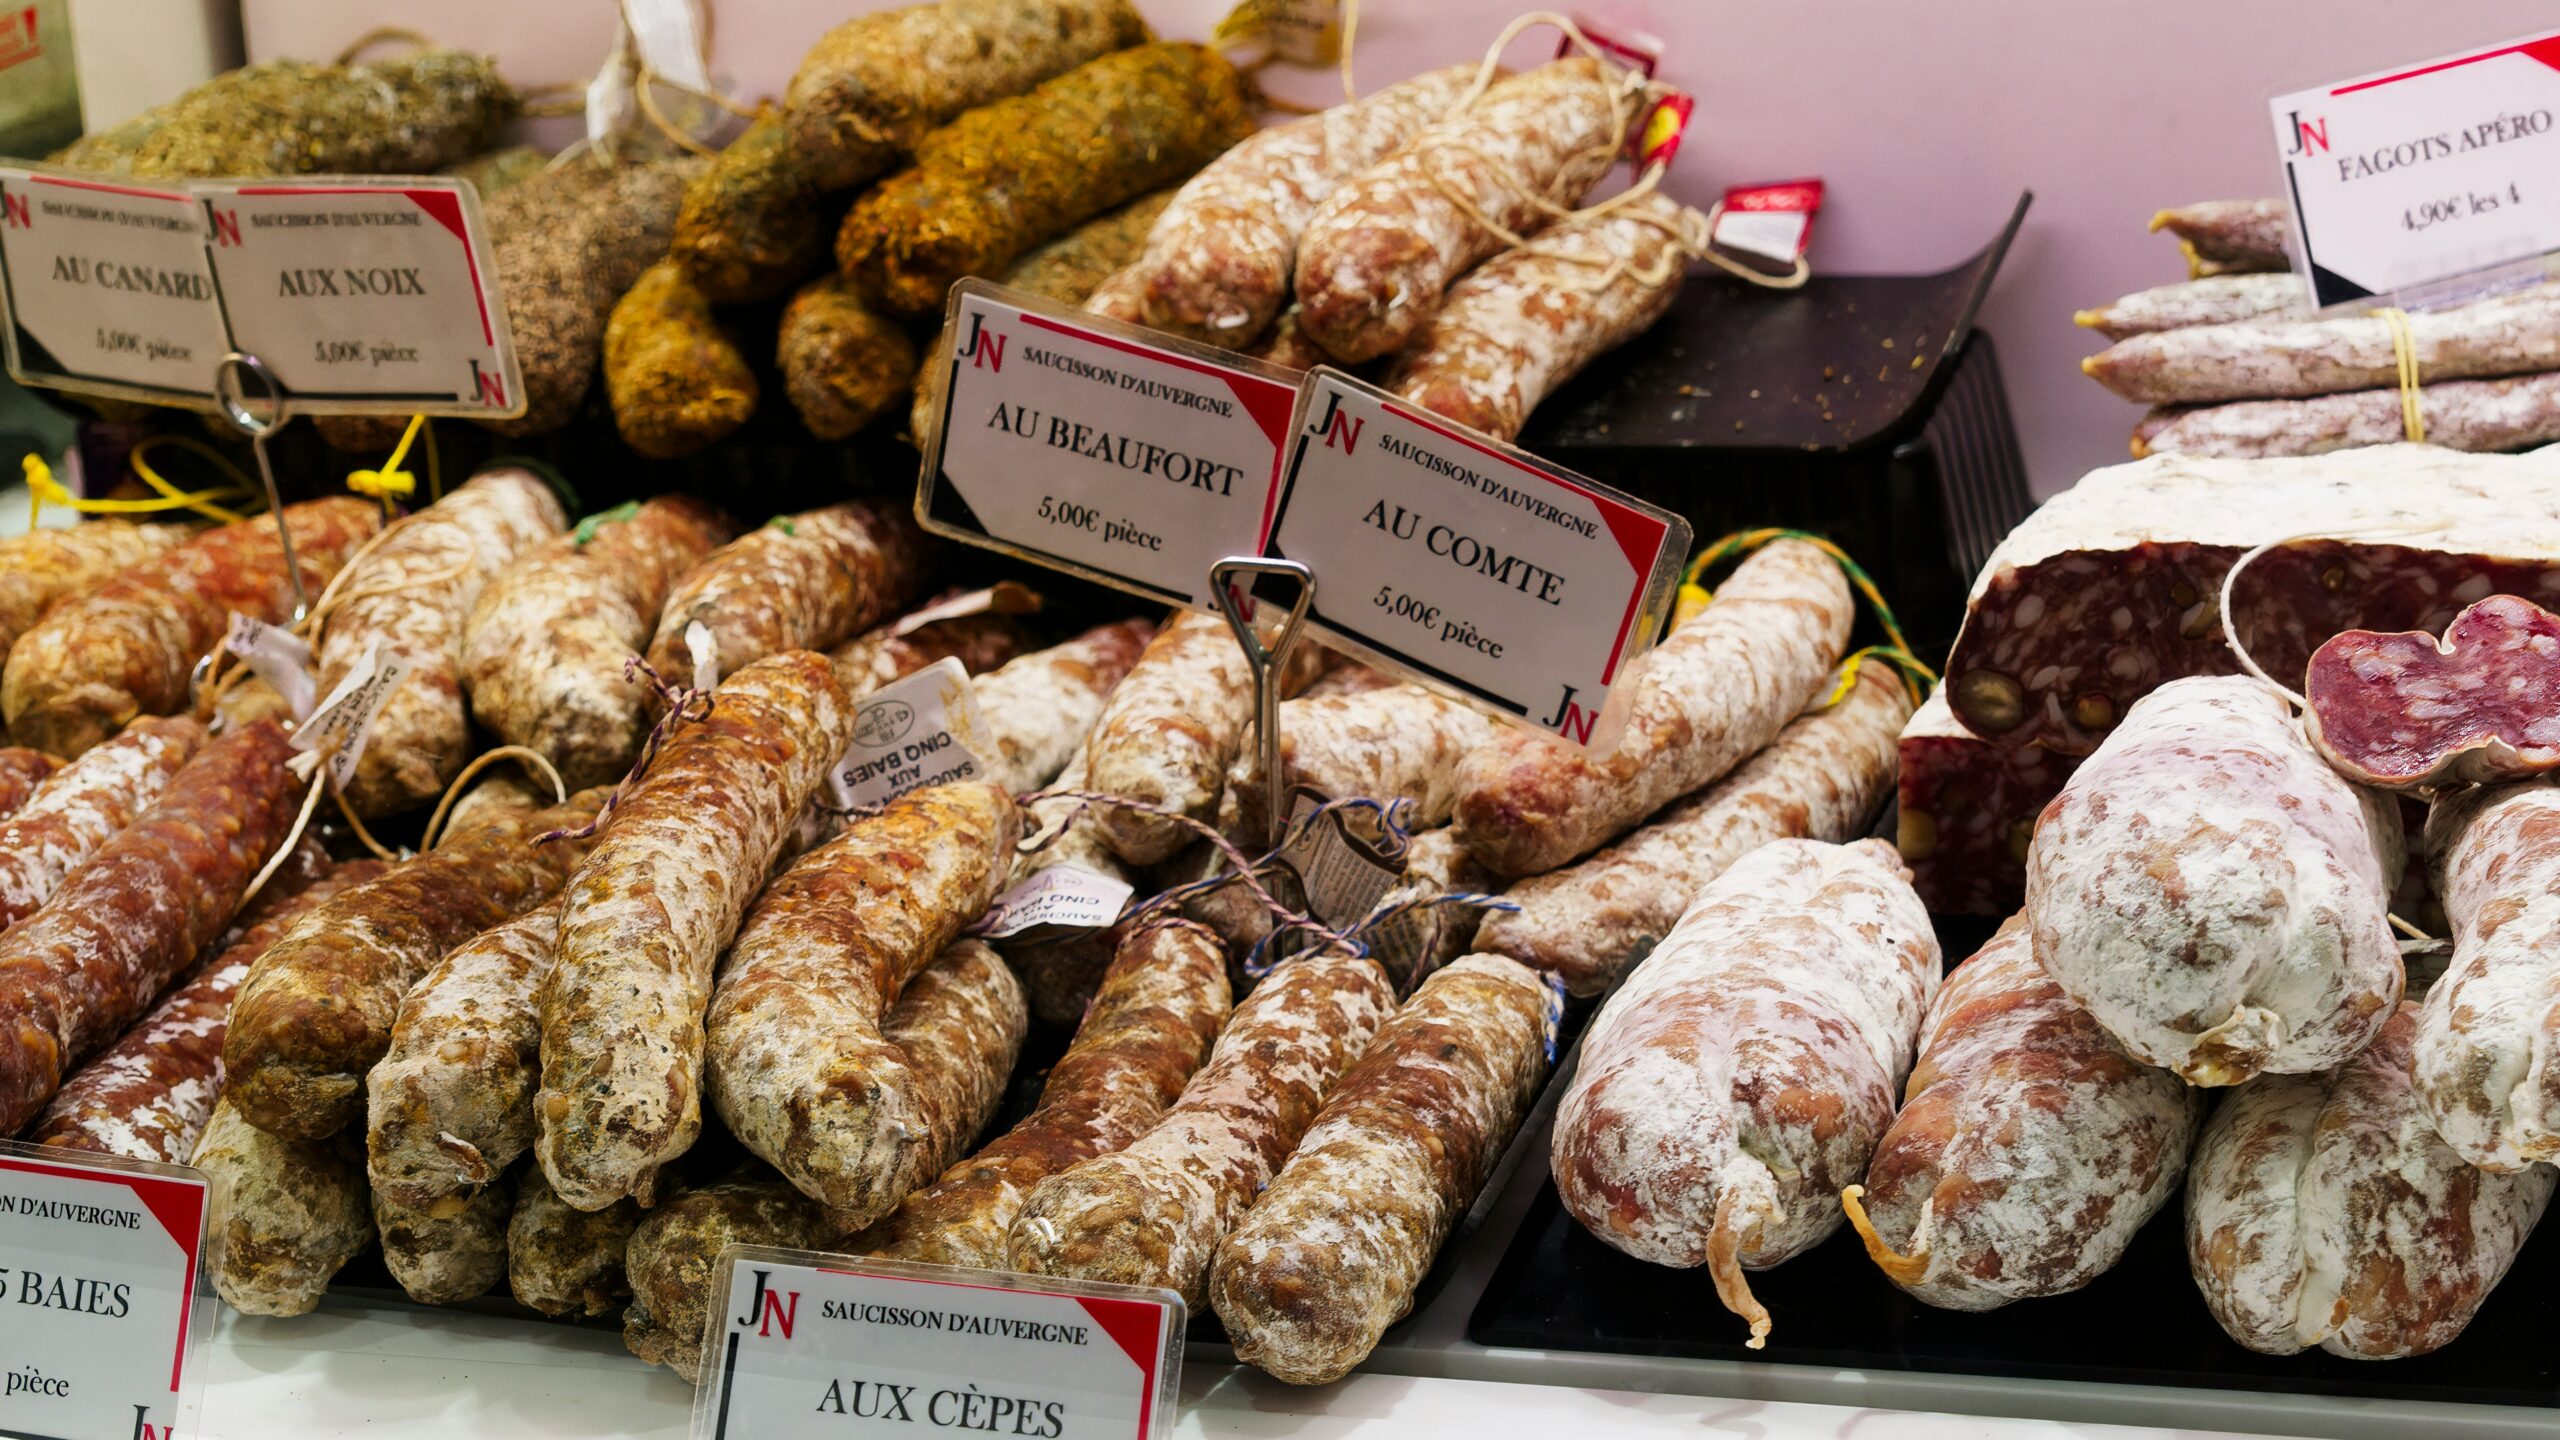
2407 713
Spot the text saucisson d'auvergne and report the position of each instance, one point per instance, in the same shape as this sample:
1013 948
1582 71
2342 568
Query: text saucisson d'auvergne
546 651
317 1009
809 581
409 594
1152 1020
148 1096
657 899
96 661
146 906
798 1065
1155 1211
2030 1146
1823 778
1713 693
1741 1077
1330 1255
84 805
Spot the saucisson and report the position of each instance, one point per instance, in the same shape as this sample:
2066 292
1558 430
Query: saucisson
2486 1052
22 771
675 1251
2520 412
287 1215
2512 334
565 1261
2408 713
2214 300
1041 708
1966 808
451 1251
1401 743
85 805
41 567
800 582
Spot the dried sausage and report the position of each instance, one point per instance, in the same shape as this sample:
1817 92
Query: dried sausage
1823 778
1330 1255
1713 693
287 1214
1742 1076
2321 1210
565 1261
1402 743
2231 235
1521 324
798 1066
1217 266
2513 334
138 913
1061 975
1155 1211
981 641
801 582
43 566
147 1096
843 363
1040 709
2517 413
2216 895
750 225
1380 252
675 375
1153 1017
316 1012
2215 300
675 1252
2407 713
450 1105
547 650
689 843
409 594
1413 943
85 805
2486 1054
96 661
2030 1146
448 1252
21 771
1967 808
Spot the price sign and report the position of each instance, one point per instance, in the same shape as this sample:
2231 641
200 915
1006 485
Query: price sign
2411 177
107 287
1105 450
815 1347
98 1315
365 298
1453 557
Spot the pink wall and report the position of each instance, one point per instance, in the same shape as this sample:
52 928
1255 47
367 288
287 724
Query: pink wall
1926 119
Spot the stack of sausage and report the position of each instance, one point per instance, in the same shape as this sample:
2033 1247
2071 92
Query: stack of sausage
2115 587
1051 146
2234 365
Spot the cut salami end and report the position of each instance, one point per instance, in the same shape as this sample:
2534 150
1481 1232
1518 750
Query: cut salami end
2406 712
1968 810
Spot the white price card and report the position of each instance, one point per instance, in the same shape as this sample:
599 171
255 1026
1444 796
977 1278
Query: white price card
1098 448
2411 177
365 296
819 1347
1450 556
99 1318
336 730
1061 900
107 286
913 732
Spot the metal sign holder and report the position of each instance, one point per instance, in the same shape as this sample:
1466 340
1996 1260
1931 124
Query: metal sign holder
1266 661
230 390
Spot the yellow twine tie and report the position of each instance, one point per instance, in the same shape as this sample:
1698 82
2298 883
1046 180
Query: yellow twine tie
44 489
2404 352
390 482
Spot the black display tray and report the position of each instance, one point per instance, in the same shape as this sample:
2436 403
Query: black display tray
2141 1323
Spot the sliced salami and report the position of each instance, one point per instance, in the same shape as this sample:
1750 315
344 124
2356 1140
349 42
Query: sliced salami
2406 712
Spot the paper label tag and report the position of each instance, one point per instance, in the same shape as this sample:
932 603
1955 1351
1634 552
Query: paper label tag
1772 223
1058 901
2410 177
1342 875
1451 557
911 733
339 726
821 1347
107 287
277 656
1101 449
1003 598
1624 44
98 1262
703 648
1301 32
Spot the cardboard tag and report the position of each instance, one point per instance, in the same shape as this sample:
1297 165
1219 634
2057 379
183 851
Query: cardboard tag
1002 598
107 288
99 1260
1101 449
1342 874
1301 32
1059 901
1767 227
911 733
805 1346
277 656
1451 557
365 297
1624 44
1657 141
336 730
2406 179
704 649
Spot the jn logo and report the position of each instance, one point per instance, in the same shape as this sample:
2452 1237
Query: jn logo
985 349
2310 137
143 1429
15 207
489 389
226 227
1572 721
769 1309
1340 431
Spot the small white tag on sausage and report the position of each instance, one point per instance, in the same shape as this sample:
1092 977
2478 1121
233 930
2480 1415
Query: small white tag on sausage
1003 598
1344 875
336 731
1059 901
277 656
704 647
911 733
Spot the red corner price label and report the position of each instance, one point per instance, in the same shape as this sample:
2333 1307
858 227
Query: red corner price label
2427 173
1101 449
98 1262
365 296
108 288
1448 555
814 1347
